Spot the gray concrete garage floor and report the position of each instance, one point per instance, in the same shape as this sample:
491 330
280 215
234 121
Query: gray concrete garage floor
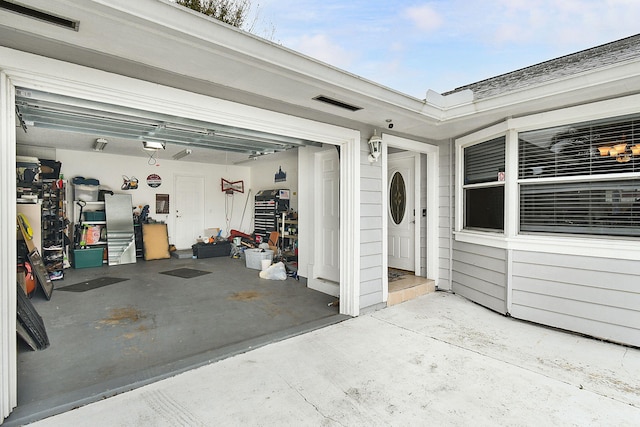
437 360
112 339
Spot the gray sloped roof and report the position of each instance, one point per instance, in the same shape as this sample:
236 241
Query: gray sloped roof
585 60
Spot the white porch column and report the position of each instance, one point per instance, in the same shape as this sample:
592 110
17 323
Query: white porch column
350 221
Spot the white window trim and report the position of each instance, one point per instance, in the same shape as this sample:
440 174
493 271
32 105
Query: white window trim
620 248
479 137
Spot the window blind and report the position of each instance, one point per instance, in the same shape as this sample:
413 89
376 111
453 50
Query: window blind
599 208
589 148
483 161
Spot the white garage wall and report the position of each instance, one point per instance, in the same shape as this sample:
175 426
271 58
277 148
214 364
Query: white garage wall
109 169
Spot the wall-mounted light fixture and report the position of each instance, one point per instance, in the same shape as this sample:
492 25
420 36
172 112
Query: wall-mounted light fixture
375 147
153 145
100 144
181 154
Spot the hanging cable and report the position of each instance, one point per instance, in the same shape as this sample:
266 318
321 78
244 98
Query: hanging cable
152 158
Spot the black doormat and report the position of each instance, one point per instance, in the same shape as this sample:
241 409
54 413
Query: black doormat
185 273
395 274
92 284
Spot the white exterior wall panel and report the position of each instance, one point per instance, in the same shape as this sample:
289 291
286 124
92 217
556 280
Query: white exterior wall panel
371 214
589 295
445 216
480 274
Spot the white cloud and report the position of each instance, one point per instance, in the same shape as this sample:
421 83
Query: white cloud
321 47
566 22
424 17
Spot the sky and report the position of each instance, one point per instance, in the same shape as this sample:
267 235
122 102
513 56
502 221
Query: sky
414 46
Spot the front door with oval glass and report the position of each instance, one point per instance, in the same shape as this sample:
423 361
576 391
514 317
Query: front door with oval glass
401 218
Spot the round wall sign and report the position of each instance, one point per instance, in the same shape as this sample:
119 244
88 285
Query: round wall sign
154 180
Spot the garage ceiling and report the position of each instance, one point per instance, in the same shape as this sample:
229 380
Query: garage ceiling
46 111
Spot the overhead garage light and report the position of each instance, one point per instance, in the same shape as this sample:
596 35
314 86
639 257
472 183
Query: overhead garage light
153 145
181 154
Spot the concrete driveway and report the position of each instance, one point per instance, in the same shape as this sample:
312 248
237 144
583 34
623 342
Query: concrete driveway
436 360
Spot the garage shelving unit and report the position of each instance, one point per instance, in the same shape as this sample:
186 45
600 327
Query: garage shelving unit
54 224
269 205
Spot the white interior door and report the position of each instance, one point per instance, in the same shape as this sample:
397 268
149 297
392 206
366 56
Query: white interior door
328 202
189 210
401 211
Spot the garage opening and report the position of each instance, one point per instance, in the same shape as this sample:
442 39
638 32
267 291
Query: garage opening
115 327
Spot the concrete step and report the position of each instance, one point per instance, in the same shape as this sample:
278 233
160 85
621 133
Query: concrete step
408 288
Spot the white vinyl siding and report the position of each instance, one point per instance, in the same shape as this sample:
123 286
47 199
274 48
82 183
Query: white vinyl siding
479 273
371 216
445 213
594 296
422 220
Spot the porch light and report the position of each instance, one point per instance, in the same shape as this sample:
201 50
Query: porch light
100 144
375 147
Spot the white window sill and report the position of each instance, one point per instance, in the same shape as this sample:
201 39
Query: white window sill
588 246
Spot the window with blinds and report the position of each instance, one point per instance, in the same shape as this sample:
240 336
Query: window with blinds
589 178
484 185
483 162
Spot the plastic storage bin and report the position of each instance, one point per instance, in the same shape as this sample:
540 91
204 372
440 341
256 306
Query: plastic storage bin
90 257
254 257
95 216
87 193
210 250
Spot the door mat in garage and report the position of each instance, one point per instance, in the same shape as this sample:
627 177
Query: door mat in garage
185 273
92 284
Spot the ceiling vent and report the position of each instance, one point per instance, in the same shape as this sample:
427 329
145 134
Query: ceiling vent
337 103
39 15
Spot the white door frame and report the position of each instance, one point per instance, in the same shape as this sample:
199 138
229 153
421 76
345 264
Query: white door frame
8 343
432 153
32 71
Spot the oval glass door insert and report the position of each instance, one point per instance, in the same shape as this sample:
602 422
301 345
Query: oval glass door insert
397 198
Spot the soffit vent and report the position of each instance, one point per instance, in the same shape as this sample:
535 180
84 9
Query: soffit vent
337 103
39 15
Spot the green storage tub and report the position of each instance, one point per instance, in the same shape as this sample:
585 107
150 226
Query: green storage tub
89 257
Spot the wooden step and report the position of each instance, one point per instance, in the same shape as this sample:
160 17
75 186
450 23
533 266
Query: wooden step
408 288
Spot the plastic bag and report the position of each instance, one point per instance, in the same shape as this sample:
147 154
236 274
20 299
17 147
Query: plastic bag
276 272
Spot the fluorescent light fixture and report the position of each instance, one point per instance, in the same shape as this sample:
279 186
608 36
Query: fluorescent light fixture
100 144
181 154
152 145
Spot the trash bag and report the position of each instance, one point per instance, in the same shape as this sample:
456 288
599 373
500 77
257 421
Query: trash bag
275 272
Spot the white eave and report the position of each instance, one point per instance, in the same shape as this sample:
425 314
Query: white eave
160 42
